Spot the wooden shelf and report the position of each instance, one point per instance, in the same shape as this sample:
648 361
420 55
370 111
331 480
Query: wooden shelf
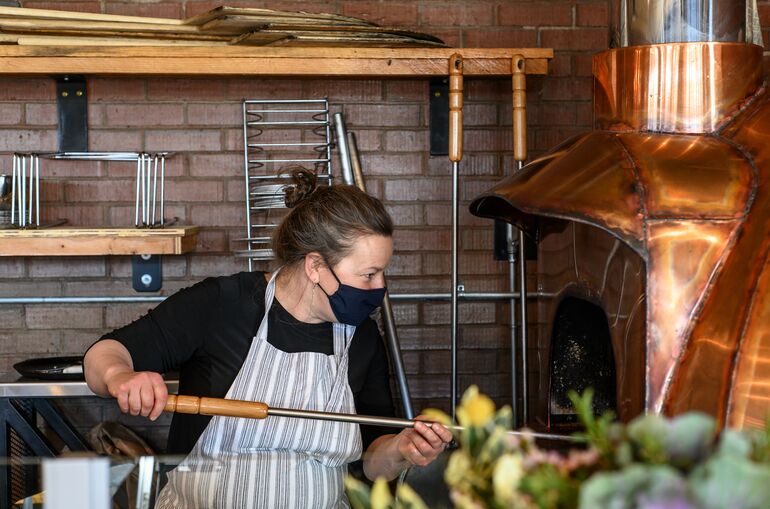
62 241
262 61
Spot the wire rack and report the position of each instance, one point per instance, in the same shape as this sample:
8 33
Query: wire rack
150 184
279 135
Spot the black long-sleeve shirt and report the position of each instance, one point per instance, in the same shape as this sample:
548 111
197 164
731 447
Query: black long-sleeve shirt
205 332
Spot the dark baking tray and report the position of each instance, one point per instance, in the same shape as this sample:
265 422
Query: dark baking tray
50 368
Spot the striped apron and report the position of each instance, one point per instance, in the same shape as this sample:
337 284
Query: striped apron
277 462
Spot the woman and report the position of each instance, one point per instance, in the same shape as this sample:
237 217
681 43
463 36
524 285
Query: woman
297 338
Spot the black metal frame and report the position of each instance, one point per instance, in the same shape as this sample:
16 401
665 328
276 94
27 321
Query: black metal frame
16 419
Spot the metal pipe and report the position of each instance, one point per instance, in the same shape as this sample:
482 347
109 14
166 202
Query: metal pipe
246 174
523 327
37 190
342 145
511 243
138 183
14 177
354 175
479 296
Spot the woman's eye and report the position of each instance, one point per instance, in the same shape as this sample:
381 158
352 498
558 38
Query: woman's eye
369 276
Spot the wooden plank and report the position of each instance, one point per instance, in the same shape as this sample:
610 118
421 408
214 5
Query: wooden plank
51 40
16 12
97 241
263 61
270 15
22 25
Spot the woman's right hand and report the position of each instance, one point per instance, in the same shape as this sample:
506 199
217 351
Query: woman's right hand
138 393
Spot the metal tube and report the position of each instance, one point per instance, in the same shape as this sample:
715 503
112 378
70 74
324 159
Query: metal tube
14 177
154 188
454 312
31 187
391 422
395 297
511 242
23 192
246 174
37 190
342 145
523 326
388 318
138 180
162 188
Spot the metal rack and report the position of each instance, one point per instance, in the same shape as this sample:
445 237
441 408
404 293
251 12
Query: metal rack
150 184
279 134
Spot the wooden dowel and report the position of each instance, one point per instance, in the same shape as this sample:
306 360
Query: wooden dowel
216 406
519 86
455 108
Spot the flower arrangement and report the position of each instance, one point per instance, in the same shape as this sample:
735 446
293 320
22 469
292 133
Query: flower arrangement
650 463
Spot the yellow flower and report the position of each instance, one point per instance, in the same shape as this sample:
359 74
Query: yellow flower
506 476
458 466
475 409
381 497
409 498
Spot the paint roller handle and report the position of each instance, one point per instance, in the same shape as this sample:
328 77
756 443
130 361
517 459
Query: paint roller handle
216 406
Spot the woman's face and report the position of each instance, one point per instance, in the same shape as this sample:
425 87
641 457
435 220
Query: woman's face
364 267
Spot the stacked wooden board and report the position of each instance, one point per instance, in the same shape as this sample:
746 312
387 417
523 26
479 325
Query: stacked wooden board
222 26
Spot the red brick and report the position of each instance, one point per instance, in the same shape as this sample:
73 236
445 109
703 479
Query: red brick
404 313
557 113
125 216
471 164
488 140
429 386
389 13
418 285
407 90
593 14
11 317
145 114
174 167
535 14
18 288
15 89
405 215
173 266
183 139
119 315
216 165
440 214
23 140
479 114
584 113
592 39
470 263
76 343
114 140
211 241
500 38
343 90
368 140
150 10
452 37
258 88
30 342
469 361
417 189
486 90
63 317
472 188
100 191
195 191
456 15
218 215
297 6
397 115
583 65
763 8
40 114
391 164
236 190
64 6
208 265
67 267
476 239
122 89
92 287
560 65
404 264
214 114
190 89
10 114
421 240
565 89
548 138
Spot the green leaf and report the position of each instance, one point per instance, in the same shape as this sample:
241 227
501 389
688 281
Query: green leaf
731 482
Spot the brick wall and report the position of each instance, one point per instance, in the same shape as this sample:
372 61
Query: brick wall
201 120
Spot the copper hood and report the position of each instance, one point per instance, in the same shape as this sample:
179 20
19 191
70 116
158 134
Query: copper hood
661 218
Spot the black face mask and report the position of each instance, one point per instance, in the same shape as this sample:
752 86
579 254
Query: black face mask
352 305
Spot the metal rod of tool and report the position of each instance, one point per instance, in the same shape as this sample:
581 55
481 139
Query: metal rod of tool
519 89
258 410
388 318
346 161
455 155
511 242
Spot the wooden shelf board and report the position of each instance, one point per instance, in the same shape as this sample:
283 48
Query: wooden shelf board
67 241
262 61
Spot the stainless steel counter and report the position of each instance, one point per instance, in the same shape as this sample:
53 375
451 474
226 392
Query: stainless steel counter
14 386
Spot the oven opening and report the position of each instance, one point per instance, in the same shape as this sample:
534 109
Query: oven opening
581 357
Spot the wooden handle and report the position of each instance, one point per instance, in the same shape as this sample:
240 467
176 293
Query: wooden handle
519 85
455 107
216 406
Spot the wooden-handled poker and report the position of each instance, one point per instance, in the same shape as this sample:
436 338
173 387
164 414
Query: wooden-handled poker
258 410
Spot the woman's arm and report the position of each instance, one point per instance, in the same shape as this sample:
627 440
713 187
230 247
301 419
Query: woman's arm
109 371
390 454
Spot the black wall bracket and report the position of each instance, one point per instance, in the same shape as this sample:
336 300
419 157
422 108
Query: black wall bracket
147 273
439 116
72 108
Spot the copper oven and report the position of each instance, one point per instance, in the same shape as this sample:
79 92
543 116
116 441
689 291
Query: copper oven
653 234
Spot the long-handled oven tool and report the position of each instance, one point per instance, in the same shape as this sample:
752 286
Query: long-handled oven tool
258 410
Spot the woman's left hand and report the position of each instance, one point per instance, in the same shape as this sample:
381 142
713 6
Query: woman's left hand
423 443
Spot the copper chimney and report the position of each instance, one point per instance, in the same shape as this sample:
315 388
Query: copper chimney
653 230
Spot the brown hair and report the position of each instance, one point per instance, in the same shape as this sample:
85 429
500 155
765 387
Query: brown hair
326 219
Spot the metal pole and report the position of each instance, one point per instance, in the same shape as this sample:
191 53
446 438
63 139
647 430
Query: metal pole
356 175
246 175
342 145
511 242
519 87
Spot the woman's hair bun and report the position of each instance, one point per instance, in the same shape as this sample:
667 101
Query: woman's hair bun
303 184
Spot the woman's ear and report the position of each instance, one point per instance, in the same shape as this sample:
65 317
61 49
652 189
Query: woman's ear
313 261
